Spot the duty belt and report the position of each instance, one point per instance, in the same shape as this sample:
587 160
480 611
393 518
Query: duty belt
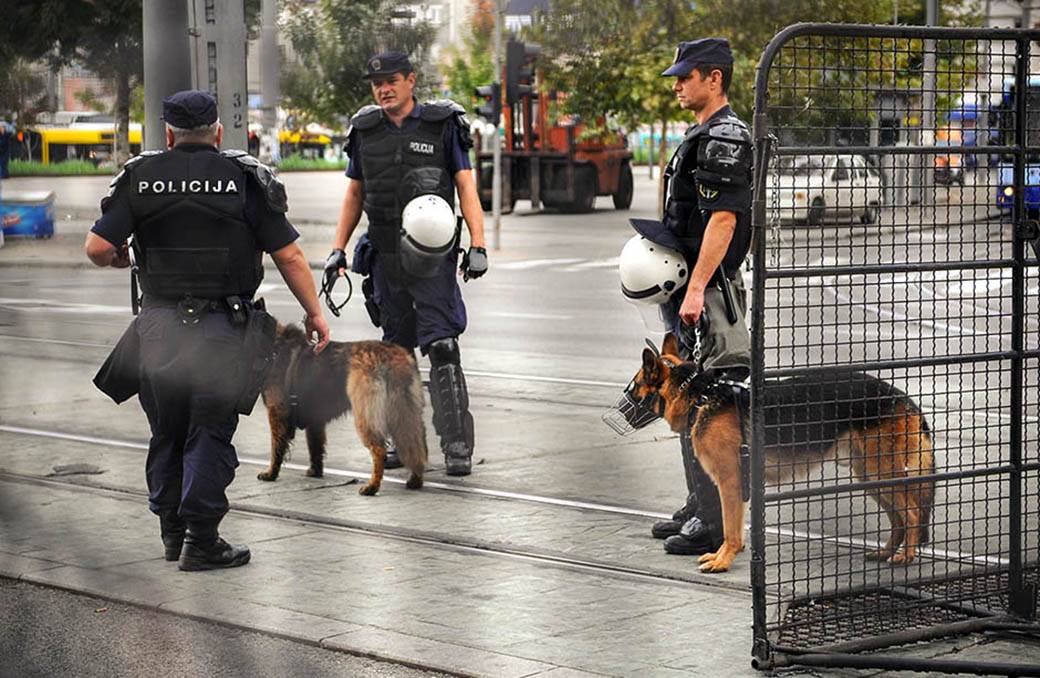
191 309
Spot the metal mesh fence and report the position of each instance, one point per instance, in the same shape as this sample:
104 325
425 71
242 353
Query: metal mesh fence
896 332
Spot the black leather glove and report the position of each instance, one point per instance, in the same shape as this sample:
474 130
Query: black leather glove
474 263
337 260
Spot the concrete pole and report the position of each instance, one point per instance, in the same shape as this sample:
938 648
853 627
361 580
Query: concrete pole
219 63
928 120
167 63
269 73
496 176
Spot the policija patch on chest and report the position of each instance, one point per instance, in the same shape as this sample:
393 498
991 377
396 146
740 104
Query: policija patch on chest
707 193
422 147
171 186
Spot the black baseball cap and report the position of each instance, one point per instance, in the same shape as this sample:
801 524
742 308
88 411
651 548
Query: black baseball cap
703 51
189 109
387 63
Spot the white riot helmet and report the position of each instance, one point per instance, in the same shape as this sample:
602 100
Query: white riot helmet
650 275
429 231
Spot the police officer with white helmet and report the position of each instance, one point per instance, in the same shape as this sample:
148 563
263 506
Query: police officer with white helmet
407 160
707 221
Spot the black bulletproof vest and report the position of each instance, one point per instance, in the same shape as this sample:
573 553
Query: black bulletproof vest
399 165
192 236
682 214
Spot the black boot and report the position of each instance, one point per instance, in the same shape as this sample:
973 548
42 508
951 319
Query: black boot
391 460
702 533
450 398
663 529
172 527
205 550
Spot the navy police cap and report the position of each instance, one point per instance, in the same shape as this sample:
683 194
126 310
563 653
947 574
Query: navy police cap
387 63
189 109
703 51
656 232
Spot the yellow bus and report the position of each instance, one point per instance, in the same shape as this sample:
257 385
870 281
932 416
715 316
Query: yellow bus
87 141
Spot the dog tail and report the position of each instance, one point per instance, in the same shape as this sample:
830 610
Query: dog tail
404 415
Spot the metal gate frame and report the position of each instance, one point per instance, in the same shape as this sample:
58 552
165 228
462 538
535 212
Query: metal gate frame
1022 595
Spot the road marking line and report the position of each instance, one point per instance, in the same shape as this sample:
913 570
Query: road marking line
537 499
535 263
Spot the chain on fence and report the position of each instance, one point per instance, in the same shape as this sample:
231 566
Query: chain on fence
896 327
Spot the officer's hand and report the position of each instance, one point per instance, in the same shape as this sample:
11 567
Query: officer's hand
122 257
474 263
692 305
316 325
336 263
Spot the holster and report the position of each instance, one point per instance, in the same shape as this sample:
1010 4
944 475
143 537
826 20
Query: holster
368 289
258 354
119 376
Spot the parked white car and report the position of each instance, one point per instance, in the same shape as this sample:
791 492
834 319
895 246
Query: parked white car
820 188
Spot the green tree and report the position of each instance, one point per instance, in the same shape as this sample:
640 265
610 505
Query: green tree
21 91
333 40
470 65
103 35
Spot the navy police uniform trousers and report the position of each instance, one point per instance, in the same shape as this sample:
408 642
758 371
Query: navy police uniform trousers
189 385
418 311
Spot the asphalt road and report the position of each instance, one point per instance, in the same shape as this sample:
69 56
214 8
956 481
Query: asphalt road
49 632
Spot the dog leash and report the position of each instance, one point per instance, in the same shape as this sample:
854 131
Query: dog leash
327 283
290 386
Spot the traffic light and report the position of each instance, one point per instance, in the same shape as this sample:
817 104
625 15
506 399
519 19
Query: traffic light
520 58
492 108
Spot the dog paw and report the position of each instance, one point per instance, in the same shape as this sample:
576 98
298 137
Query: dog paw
903 557
368 489
414 482
716 562
879 554
267 475
313 472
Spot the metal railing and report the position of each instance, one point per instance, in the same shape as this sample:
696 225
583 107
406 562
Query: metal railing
896 342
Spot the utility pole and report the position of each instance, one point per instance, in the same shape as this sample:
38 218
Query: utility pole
219 62
269 86
167 63
928 101
496 177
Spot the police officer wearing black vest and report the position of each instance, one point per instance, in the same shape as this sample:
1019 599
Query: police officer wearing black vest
201 220
707 215
400 149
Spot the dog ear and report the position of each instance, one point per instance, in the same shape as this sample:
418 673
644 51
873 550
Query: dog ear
651 368
653 348
670 345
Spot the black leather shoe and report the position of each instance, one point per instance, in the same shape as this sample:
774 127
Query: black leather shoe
172 527
694 539
204 550
458 459
663 529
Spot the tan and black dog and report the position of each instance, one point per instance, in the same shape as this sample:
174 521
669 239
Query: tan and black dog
377 380
844 416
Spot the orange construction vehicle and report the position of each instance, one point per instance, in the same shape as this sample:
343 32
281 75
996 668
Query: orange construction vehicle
547 163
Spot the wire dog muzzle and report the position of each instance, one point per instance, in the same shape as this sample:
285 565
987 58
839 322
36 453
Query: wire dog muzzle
629 413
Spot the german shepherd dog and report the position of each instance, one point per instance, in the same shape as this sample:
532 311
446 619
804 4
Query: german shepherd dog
379 381
847 416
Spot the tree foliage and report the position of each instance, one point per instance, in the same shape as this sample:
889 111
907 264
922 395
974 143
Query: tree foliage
332 40
103 35
470 65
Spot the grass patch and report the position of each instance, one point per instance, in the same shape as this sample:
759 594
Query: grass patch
296 163
27 168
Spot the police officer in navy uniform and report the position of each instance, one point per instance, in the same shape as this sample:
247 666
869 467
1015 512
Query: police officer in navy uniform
400 149
707 213
201 220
